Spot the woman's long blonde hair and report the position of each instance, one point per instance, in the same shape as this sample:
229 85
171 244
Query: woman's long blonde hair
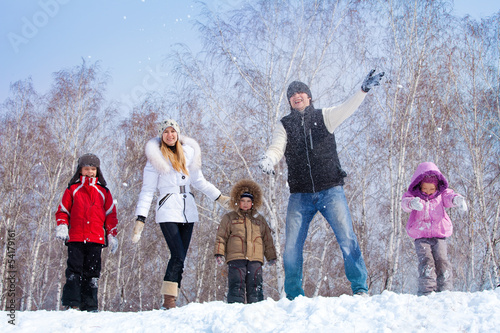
177 159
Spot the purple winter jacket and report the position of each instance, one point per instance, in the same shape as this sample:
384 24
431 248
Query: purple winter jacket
432 221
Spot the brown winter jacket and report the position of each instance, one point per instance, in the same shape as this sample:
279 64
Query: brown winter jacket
244 235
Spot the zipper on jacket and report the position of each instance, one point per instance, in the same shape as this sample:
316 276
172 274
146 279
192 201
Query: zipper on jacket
307 153
163 200
184 209
311 139
427 211
105 235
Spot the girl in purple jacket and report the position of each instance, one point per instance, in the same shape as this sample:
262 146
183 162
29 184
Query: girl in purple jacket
425 200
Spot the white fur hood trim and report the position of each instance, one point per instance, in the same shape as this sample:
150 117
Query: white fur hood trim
192 153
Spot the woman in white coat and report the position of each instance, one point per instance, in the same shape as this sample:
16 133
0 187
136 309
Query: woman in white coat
173 166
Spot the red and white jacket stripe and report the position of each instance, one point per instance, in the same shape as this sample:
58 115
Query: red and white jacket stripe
88 209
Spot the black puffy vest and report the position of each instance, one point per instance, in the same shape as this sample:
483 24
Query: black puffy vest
311 153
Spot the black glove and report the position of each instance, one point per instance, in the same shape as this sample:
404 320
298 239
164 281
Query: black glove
371 81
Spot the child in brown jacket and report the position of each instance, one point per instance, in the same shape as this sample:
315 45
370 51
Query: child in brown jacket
243 240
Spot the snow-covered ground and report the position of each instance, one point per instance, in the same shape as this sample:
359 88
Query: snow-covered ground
387 312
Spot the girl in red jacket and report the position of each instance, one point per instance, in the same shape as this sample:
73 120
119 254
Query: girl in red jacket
86 221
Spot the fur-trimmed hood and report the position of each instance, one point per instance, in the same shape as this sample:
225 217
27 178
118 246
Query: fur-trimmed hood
191 148
242 186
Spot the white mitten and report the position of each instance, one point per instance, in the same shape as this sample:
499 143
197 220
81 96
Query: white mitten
112 243
266 165
415 204
62 232
460 202
139 226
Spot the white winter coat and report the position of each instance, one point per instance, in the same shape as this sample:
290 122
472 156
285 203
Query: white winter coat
173 206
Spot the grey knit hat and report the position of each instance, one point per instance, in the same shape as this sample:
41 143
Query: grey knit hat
168 123
298 87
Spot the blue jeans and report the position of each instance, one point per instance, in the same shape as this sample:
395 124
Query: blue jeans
332 204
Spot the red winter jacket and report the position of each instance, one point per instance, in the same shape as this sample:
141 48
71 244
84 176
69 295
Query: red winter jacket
88 209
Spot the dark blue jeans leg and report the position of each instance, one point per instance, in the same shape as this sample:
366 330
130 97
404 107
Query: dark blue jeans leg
178 237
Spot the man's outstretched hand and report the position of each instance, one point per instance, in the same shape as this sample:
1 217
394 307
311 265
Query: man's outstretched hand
266 165
371 80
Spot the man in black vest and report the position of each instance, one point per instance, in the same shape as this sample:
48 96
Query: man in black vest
305 137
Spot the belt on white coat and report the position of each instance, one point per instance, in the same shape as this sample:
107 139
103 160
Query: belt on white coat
176 189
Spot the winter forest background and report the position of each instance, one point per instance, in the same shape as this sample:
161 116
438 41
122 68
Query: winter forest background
439 102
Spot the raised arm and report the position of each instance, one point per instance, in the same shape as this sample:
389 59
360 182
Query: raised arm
334 116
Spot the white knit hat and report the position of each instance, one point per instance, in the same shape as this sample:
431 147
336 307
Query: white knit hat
168 123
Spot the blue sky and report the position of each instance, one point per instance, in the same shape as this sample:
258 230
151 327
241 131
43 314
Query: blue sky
130 38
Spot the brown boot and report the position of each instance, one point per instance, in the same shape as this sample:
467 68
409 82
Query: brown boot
71 307
169 292
168 302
